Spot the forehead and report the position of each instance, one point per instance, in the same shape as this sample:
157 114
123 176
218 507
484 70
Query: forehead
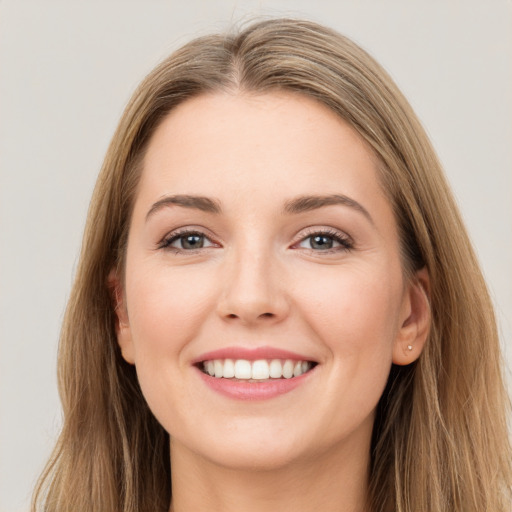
277 142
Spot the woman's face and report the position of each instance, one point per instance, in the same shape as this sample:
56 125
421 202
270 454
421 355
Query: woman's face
260 232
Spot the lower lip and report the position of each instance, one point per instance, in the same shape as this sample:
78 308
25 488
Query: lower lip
243 390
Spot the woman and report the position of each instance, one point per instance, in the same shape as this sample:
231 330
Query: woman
276 289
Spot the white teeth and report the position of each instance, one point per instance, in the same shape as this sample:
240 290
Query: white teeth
219 368
288 369
276 369
229 369
243 369
260 369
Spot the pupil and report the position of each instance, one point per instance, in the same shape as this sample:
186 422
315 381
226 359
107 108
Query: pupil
321 242
192 242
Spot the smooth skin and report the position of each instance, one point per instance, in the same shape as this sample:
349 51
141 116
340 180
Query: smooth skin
326 281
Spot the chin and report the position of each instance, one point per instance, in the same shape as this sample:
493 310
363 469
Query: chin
250 448
244 458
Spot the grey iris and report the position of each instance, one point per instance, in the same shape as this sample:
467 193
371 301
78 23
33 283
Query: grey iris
192 242
321 242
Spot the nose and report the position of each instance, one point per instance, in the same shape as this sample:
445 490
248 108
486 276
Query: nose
253 291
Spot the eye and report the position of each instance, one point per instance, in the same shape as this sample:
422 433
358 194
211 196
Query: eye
186 241
326 241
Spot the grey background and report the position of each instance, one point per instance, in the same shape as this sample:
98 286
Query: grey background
68 68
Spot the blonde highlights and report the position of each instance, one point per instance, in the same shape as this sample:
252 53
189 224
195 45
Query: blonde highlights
440 440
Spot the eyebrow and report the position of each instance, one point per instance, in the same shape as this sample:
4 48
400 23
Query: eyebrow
308 203
293 206
202 203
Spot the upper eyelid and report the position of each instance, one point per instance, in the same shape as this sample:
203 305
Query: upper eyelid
325 230
175 234
198 230
300 235
344 239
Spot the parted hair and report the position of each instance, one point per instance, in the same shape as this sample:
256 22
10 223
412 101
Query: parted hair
440 440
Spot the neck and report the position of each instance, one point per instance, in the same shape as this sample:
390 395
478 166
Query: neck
330 482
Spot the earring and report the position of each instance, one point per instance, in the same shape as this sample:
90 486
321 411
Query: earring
409 347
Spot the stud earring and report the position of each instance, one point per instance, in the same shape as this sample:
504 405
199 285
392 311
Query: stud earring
409 347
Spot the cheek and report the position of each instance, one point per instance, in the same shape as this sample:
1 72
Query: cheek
357 321
355 308
165 307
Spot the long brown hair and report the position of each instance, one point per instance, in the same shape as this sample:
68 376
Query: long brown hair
440 440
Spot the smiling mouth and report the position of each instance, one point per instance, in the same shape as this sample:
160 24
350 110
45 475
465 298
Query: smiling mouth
255 371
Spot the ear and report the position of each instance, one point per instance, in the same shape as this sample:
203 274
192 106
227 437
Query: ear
123 332
414 321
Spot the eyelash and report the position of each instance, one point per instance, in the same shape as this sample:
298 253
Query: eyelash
346 243
169 239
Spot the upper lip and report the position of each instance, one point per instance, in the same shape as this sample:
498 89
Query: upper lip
251 354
